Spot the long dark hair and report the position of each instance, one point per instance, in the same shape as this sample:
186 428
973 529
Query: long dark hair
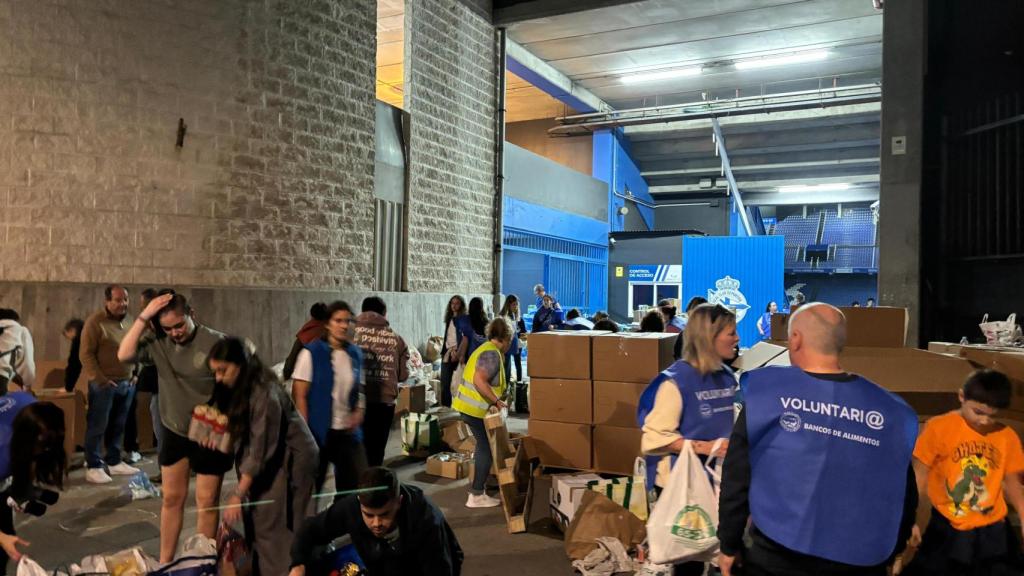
477 316
253 376
506 309
448 308
37 448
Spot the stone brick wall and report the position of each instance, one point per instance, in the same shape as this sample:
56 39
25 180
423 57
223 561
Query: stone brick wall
274 184
450 93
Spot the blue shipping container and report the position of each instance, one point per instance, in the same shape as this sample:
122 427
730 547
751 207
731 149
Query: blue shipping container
744 274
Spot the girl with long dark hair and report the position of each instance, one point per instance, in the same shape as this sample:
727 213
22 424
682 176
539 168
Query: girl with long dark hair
513 316
275 454
455 318
31 454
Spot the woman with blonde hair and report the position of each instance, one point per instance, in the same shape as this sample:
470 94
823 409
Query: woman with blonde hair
482 391
691 401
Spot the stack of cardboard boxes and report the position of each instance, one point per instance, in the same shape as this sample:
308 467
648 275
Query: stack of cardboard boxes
584 390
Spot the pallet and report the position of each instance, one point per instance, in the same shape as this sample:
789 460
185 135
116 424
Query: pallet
514 472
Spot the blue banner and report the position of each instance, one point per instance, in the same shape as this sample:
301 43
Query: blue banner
743 274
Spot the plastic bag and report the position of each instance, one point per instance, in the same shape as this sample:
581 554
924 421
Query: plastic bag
434 345
684 523
1005 333
139 487
28 567
235 558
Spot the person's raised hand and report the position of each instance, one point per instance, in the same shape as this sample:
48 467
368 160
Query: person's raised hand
155 305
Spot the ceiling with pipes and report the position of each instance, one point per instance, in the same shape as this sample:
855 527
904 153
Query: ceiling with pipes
658 53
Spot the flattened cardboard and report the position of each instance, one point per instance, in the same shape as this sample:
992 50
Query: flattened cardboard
880 327
944 348
632 356
615 403
616 449
561 445
563 355
560 400
758 355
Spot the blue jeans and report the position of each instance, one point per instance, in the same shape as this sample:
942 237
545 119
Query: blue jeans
482 455
108 407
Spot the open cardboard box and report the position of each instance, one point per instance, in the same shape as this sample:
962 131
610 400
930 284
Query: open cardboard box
877 327
927 381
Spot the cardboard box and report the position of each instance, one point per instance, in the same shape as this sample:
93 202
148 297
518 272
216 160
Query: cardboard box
927 381
456 435
73 405
561 354
558 400
567 491
561 445
411 399
632 356
449 465
875 327
50 375
616 449
1009 362
615 403
944 348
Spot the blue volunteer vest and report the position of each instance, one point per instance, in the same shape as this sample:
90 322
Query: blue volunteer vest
828 463
321 401
707 406
10 405
766 323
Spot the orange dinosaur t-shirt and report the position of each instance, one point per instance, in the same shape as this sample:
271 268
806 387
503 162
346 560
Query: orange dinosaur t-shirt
966 469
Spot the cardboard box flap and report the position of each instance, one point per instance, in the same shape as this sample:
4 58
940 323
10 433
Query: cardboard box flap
1010 363
880 327
907 369
759 355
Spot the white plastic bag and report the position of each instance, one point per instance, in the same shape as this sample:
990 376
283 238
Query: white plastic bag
1005 333
28 567
683 526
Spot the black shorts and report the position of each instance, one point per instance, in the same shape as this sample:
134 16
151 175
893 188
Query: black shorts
174 447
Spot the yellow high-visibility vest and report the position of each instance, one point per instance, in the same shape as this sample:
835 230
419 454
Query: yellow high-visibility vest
467 399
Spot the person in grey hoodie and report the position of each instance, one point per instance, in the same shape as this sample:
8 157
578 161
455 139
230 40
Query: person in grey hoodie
385 364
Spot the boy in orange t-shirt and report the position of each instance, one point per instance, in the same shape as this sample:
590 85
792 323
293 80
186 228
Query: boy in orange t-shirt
972 466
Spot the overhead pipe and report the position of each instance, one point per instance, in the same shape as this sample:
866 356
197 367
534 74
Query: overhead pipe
584 124
499 168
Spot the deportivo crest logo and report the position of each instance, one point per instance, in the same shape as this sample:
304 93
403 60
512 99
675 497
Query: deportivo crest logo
693 523
728 294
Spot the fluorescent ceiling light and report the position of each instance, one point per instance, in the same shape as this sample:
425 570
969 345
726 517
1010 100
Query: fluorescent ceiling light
797 58
661 75
815 188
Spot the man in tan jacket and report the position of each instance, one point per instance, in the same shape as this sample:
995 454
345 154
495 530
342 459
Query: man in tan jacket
110 387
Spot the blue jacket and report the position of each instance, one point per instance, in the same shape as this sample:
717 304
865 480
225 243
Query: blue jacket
321 400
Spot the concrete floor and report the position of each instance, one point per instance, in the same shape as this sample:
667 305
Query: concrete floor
101 519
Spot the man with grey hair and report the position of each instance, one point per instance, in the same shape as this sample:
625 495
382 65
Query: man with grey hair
819 463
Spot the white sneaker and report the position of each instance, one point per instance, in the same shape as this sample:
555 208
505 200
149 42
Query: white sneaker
97 476
133 457
482 501
123 469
